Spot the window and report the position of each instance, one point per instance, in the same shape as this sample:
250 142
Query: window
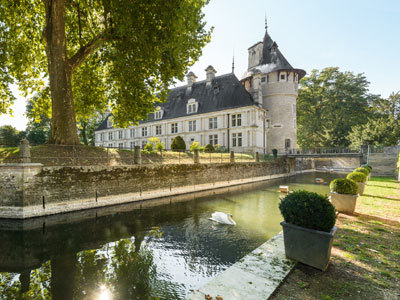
263 79
120 134
237 139
120 145
158 129
132 133
132 144
213 139
191 106
174 128
236 120
282 77
192 125
110 136
110 122
110 145
144 131
287 143
144 144
212 123
267 123
102 137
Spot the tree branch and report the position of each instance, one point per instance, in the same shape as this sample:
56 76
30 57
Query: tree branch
79 57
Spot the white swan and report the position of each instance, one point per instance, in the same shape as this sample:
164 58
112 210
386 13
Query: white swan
222 218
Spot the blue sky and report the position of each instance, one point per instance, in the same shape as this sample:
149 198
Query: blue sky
358 36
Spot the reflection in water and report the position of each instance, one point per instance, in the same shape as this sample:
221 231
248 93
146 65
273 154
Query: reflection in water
158 252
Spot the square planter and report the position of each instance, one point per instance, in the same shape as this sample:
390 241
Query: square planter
309 246
361 185
343 202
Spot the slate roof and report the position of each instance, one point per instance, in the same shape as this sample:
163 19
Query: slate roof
272 60
225 92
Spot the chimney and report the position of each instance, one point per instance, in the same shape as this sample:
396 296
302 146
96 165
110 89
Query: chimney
191 78
210 74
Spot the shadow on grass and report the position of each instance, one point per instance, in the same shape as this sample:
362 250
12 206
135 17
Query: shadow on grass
380 197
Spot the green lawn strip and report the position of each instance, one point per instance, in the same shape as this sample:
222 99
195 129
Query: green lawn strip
365 255
381 198
8 152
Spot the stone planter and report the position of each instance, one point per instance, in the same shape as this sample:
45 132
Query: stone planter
309 246
361 185
343 202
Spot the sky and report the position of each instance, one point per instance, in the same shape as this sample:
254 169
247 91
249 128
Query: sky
361 36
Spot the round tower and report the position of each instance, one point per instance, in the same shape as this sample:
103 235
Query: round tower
273 83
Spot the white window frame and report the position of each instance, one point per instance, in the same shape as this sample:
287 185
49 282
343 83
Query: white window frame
158 114
192 106
213 139
158 130
110 136
132 132
120 134
192 125
213 123
144 131
110 122
102 136
237 139
174 128
110 145
236 120
284 76
132 144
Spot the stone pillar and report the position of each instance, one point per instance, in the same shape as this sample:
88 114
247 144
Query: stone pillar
232 157
196 158
257 157
24 151
137 156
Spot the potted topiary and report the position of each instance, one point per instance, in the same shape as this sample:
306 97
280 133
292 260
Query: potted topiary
308 228
344 193
362 170
360 179
369 168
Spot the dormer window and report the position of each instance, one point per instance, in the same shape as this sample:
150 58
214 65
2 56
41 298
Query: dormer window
110 122
192 106
158 114
282 77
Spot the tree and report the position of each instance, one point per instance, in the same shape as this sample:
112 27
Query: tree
178 143
39 123
92 55
388 107
330 103
9 136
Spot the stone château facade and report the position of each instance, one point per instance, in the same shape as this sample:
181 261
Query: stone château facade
257 113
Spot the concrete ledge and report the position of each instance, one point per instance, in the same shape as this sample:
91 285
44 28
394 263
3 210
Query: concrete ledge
256 276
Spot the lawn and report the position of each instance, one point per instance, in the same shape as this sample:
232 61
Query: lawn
365 254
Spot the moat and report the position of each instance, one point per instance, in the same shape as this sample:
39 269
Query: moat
163 251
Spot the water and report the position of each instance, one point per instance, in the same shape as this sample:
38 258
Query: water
156 253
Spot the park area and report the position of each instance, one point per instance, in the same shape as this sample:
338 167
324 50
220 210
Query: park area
365 254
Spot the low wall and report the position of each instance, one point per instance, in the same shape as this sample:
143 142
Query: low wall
337 163
384 164
24 185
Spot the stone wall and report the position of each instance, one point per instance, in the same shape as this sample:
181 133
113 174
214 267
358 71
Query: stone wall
63 184
384 164
337 163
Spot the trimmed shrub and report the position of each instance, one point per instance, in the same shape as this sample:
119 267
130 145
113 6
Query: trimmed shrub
148 147
178 143
344 186
275 153
209 148
368 167
357 177
362 170
309 210
220 149
195 146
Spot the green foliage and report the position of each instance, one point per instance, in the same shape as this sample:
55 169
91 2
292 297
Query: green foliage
368 167
344 186
309 210
362 170
275 153
178 143
160 146
357 177
9 136
220 149
194 146
148 147
209 148
124 54
330 103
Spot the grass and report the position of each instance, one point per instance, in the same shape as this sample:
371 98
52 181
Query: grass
365 254
6 152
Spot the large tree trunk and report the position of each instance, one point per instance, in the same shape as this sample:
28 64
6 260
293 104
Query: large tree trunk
63 123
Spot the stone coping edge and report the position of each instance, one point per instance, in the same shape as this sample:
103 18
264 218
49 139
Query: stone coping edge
255 276
12 212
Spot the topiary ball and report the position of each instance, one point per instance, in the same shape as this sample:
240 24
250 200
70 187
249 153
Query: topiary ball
209 148
362 170
309 210
178 143
344 186
357 176
368 167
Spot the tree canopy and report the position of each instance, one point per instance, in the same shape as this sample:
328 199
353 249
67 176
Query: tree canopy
83 56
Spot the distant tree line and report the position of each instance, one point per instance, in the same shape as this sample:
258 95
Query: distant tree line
335 109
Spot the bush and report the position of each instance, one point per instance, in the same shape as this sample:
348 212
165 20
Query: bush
220 149
160 146
194 146
344 186
148 147
362 170
357 177
368 167
275 153
309 210
178 143
209 148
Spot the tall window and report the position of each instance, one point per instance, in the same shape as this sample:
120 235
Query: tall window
267 123
120 145
287 143
102 136
237 139
191 106
144 131
132 144
212 123
192 125
110 136
174 128
158 129
109 122
158 114
110 145
132 133
120 134
213 139
236 120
